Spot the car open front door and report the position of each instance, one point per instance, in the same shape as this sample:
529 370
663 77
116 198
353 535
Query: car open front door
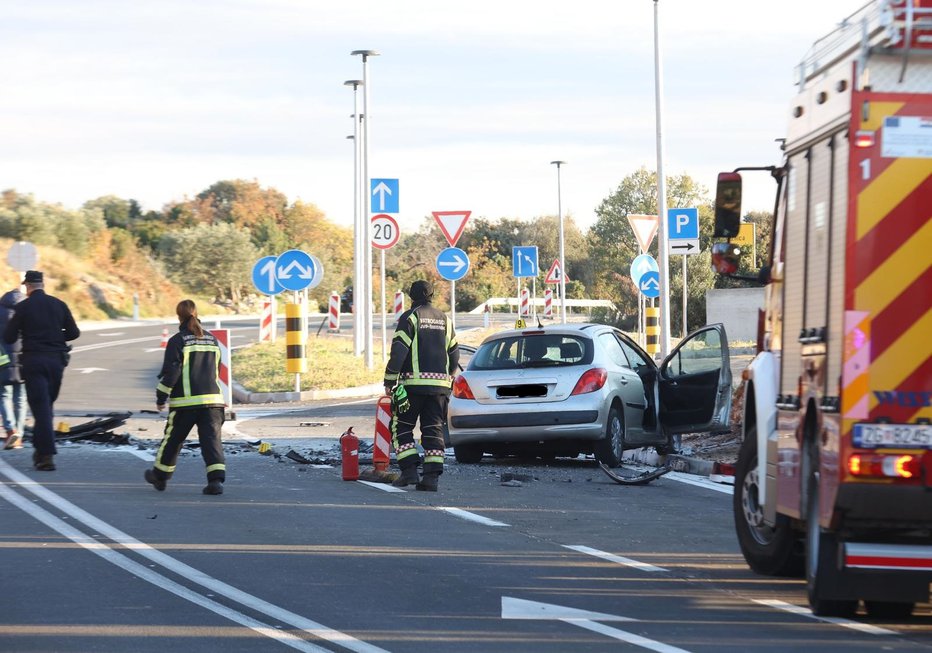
695 383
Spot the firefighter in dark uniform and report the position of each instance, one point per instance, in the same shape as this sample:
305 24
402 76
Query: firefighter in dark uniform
419 376
190 384
45 324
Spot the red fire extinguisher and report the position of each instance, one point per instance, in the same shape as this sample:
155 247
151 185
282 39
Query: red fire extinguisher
349 448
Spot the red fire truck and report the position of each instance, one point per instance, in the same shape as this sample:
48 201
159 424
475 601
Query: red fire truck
834 477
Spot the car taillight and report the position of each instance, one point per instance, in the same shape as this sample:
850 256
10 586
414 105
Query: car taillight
461 389
872 465
590 381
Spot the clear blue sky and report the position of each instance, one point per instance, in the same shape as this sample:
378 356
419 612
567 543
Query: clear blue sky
156 100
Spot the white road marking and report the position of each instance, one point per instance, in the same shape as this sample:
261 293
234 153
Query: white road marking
139 453
385 487
699 481
513 608
643 566
190 573
471 516
806 612
121 560
110 335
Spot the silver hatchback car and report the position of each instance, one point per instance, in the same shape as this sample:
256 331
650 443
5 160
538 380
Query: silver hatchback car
586 388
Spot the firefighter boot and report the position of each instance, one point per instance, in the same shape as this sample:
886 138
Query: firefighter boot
156 482
428 482
407 477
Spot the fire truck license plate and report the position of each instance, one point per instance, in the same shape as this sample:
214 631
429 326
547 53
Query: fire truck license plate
869 436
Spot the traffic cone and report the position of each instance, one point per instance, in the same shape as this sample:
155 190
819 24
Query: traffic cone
164 338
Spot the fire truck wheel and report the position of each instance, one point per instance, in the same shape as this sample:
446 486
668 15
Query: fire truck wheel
769 550
885 610
821 549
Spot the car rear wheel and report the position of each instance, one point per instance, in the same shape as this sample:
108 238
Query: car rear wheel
467 454
609 449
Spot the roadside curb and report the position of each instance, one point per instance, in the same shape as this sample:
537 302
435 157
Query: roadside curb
677 462
243 396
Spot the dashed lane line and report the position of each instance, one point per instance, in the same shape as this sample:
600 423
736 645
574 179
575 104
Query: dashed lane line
471 516
643 566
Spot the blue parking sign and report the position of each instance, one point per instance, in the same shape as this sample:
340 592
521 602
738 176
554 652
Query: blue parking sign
683 224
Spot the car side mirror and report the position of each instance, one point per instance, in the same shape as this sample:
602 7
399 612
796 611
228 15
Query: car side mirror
727 205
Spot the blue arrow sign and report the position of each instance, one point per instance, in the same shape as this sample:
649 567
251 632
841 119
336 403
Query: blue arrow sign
683 224
524 261
263 276
641 264
294 269
452 263
384 195
649 285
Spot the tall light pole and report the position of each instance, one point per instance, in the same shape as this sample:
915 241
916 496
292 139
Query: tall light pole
562 244
663 232
366 223
357 221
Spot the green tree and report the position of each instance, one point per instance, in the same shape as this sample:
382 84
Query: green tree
115 210
210 258
613 246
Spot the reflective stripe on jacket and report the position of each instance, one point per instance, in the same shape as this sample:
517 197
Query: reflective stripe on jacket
190 375
424 351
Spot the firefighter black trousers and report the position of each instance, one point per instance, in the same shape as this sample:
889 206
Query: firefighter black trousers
42 372
209 420
431 411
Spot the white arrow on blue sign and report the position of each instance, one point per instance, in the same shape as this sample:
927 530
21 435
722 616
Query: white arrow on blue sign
384 195
524 261
640 265
263 276
649 285
452 263
294 269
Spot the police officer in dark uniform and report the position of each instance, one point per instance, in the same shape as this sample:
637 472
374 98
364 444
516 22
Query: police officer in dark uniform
189 384
418 376
45 324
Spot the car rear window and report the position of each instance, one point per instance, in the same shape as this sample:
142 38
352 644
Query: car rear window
537 350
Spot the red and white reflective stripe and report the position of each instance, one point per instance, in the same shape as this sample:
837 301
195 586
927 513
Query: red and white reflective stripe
888 556
265 321
525 302
334 321
226 370
399 304
383 437
548 303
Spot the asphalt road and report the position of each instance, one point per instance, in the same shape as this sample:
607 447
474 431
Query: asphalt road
292 556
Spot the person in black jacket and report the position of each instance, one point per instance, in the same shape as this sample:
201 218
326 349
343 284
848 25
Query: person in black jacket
46 325
423 358
12 388
190 385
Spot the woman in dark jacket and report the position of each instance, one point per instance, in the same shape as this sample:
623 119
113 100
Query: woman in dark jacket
12 388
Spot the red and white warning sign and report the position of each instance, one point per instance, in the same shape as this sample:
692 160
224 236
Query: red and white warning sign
452 224
225 372
645 228
554 273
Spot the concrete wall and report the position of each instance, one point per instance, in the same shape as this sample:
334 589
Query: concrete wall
736 308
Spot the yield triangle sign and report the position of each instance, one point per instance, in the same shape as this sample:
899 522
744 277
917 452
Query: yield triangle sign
554 273
452 224
645 228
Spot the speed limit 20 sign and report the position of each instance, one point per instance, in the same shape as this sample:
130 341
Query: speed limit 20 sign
384 231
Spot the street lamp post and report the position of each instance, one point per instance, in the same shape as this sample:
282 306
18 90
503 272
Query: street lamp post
562 245
366 223
357 221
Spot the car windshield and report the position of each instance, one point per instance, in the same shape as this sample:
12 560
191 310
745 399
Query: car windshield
533 350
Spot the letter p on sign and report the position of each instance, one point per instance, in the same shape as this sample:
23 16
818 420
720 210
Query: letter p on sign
683 223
